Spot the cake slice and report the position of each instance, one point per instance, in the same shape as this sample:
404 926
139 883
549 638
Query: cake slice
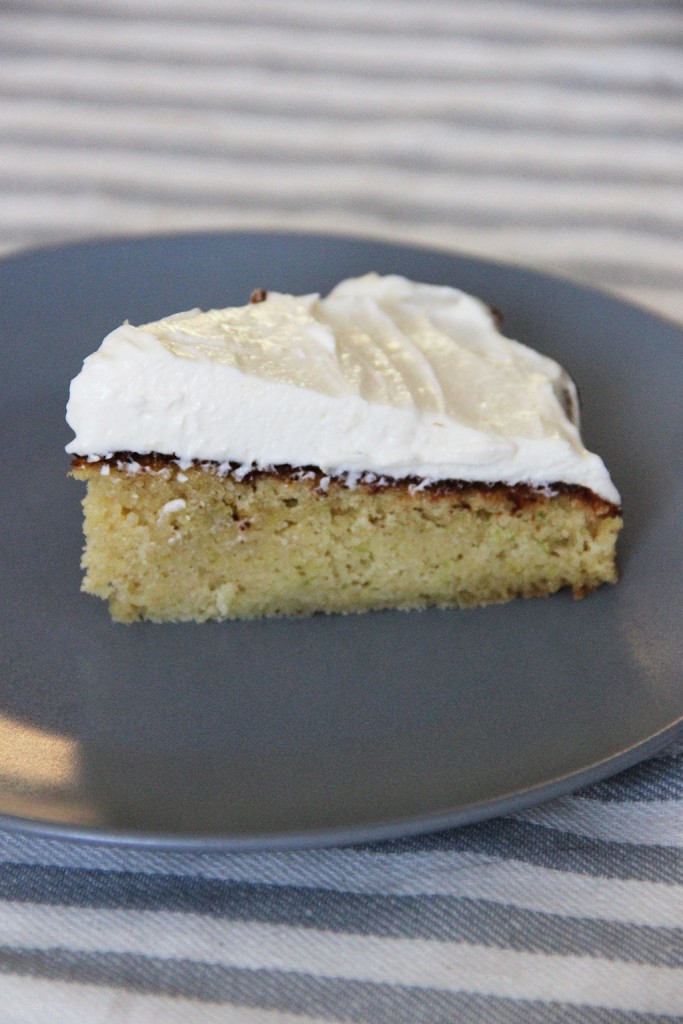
385 446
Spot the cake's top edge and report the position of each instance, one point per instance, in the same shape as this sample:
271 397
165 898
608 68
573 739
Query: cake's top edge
384 375
133 464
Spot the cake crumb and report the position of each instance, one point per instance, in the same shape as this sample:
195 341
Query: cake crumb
176 505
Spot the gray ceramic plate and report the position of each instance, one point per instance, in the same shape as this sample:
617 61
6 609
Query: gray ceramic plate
331 729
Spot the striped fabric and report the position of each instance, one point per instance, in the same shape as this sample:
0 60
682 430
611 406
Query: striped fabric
538 131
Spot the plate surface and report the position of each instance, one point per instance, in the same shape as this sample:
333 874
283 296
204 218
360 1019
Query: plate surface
331 729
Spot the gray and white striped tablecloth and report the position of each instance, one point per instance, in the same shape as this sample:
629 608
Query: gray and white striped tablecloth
538 131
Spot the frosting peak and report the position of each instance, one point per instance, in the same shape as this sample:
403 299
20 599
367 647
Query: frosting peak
384 375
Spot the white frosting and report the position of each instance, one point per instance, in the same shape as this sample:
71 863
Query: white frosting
384 375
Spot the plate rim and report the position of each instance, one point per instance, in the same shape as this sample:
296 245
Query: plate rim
396 829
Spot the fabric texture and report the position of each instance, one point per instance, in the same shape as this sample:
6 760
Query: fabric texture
543 133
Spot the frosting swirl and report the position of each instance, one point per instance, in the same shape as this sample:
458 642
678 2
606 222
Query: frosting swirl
383 375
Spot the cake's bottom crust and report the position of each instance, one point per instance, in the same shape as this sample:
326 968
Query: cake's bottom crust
165 543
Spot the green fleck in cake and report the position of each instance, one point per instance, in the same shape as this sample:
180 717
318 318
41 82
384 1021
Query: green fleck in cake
383 447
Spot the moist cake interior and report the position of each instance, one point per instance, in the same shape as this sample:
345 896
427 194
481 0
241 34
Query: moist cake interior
195 543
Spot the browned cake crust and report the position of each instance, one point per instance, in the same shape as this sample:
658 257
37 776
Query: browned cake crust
512 496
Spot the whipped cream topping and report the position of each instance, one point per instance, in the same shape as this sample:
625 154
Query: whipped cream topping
383 375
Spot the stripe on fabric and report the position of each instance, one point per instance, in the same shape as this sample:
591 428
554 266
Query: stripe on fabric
337 998
473 876
613 62
393 17
652 824
248 138
443 918
551 105
549 848
487 196
421 963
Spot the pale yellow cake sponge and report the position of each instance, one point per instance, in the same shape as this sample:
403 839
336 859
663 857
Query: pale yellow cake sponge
166 544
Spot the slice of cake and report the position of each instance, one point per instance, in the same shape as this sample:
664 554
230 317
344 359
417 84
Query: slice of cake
385 446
